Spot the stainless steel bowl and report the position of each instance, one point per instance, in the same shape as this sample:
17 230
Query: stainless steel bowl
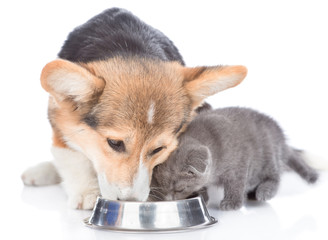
150 216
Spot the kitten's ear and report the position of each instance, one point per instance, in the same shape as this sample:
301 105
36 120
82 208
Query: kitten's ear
67 80
202 82
198 161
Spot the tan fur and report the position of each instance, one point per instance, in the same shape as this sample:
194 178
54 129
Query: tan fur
57 140
62 78
117 93
202 82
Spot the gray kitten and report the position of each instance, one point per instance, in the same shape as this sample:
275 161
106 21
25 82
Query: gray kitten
237 148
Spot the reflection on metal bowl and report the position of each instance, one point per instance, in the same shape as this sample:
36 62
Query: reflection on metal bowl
159 216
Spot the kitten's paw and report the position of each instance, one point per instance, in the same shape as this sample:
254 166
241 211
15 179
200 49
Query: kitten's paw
85 201
227 204
42 174
266 190
264 195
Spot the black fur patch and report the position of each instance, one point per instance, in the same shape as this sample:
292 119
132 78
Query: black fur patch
90 120
204 107
117 32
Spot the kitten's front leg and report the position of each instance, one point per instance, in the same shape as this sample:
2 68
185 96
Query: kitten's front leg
79 177
233 194
268 188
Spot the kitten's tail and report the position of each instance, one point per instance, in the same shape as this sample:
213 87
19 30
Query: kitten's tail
298 163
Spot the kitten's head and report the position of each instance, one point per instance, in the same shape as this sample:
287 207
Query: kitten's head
183 174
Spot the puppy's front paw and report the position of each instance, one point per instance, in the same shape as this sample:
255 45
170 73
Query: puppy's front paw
85 201
42 174
227 204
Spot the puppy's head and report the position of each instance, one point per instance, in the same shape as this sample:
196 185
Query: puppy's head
125 114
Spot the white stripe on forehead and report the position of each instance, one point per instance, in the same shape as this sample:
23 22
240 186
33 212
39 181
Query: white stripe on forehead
151 113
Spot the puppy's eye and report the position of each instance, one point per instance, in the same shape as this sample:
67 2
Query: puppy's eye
156 150
116 145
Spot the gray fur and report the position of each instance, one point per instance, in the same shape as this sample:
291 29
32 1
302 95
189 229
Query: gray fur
237 148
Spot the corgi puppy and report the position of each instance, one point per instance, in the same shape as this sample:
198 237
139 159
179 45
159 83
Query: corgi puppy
120 95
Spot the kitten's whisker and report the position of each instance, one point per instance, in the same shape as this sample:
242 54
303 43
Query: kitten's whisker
72 134
156 188
155 196
158 192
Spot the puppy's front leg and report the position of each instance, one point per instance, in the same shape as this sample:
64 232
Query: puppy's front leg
79 177
42 174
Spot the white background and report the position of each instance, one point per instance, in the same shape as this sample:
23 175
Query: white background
284 44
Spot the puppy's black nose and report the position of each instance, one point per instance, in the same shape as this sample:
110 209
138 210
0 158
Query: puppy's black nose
131 199
128 199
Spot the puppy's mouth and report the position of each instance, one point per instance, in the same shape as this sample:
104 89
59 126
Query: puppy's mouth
112 191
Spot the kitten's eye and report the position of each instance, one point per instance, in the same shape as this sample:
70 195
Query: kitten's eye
156 150
116 145
178 190
191 173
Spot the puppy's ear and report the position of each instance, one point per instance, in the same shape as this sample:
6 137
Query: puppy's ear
67 80
202 82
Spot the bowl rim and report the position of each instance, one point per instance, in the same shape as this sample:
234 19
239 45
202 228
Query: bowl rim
212 220
149 202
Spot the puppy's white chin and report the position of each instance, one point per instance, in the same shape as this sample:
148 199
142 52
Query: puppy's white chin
107 190
112 191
